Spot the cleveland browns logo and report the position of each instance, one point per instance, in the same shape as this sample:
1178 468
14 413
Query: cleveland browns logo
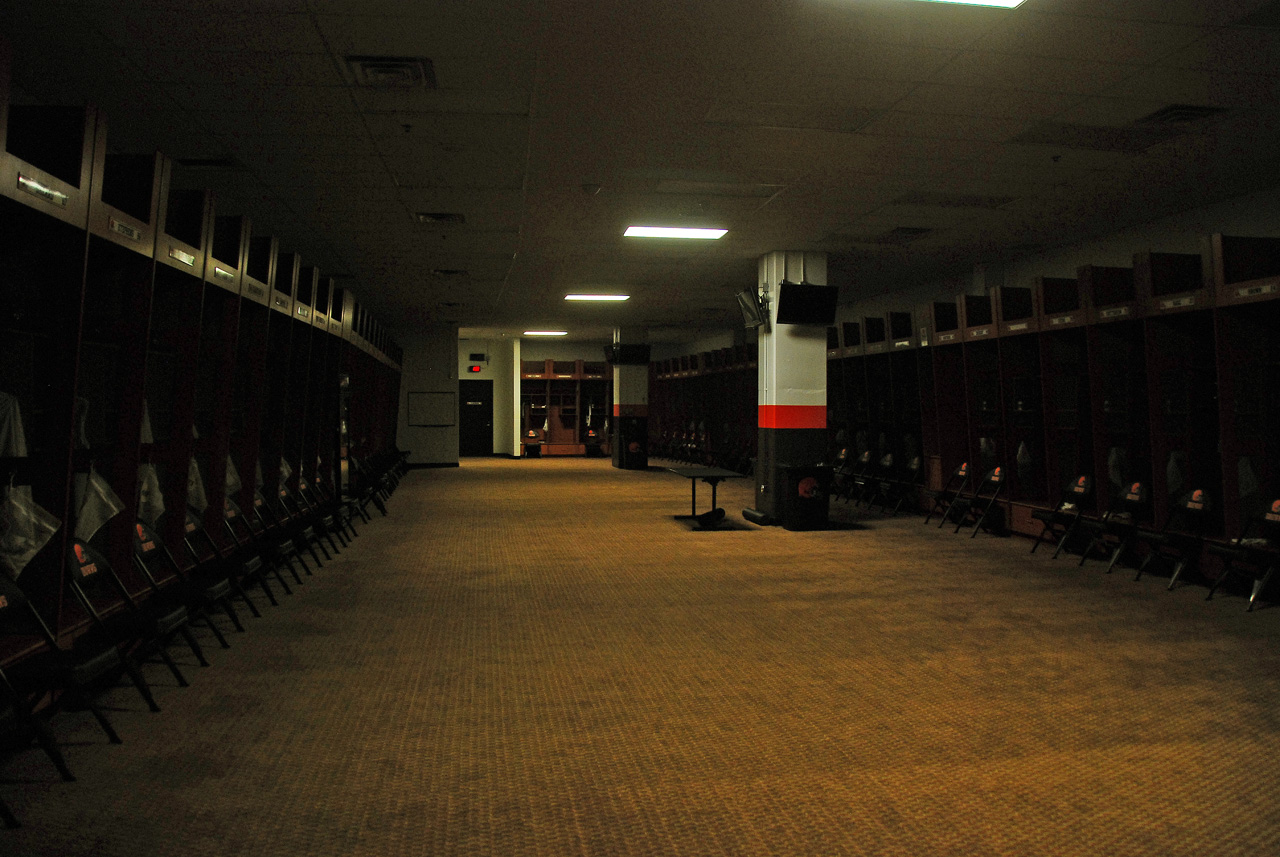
1197 500
86 567
1080 482
4 602
808 487
1274 514
996 474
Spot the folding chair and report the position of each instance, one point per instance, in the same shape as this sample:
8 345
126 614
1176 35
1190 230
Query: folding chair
1064 518
1119 527
200 598
867 485
940 501
20 725
902 487
115 615
1180 539
977 506
846 476
212 563
50 668
1257 547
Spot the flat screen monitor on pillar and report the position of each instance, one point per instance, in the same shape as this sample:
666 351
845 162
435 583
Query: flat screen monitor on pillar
753 314
802 303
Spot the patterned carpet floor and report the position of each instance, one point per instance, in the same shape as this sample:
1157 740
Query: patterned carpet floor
533 658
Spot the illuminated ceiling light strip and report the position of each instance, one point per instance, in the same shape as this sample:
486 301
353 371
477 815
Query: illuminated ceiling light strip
545 333
1003 4
671 232
597 297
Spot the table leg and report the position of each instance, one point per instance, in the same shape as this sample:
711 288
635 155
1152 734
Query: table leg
693 506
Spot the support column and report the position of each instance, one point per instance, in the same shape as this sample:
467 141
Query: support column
630 430
792 392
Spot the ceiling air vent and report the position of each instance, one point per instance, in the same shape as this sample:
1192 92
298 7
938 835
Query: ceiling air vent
953 200
439 217
903 235
210 164
392 72
1267 16
1097 138
1180 114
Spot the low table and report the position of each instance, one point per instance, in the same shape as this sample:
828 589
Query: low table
713 476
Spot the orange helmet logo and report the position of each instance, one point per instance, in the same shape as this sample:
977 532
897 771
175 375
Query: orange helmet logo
4 602
996 473
1275 507
808 487
140 533
79 554
1135 488
1197 495
1081 481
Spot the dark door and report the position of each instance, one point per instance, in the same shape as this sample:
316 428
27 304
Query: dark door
475 417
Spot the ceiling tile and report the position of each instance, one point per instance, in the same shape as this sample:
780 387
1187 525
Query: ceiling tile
897 123
1193 86
169 29
980 101
303 99
1088 39
238 68
1035 74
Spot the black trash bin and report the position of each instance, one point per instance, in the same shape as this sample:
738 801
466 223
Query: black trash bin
805 492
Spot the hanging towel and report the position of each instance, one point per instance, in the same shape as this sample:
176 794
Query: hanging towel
25 528
146 437
150 497
95 503
13 440
233 477
196 498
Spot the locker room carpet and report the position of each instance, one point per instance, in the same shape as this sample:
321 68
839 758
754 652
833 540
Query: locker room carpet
533 658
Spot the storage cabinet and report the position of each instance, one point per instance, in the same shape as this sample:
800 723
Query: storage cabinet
565 405
154 343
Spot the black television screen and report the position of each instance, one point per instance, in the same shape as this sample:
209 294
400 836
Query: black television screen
627 355
800 303
752 311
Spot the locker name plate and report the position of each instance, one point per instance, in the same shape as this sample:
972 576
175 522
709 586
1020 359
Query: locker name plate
1176 303
1118 312
35 188
1256 290
124 229
182 256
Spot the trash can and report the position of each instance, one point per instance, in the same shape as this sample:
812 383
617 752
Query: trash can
533 450
805 495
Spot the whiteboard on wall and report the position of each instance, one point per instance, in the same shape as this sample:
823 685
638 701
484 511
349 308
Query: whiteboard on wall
429 410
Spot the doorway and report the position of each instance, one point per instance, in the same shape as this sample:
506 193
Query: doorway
475 417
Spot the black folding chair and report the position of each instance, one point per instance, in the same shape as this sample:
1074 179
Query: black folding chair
118 616
1182 536
1117 530
19 725
845 477
902 487
1063 520
214 563
867 486
70 674
201 598
940 500
1258 548
976 507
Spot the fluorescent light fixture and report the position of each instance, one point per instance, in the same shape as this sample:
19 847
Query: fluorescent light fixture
671 232
1003 4
596 297
546 333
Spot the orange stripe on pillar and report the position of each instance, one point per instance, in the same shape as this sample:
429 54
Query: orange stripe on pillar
630 410
793 416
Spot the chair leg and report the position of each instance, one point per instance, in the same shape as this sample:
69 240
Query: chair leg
1062 543
1177 570
213 627
1258 586
135 675
99 716
194 644
1143 566
230 610
275 570
262 582
1039 539
1115 555
51 748
173 668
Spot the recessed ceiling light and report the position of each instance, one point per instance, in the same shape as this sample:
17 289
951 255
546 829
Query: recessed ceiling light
546 333
596 297
1003 4
671 232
